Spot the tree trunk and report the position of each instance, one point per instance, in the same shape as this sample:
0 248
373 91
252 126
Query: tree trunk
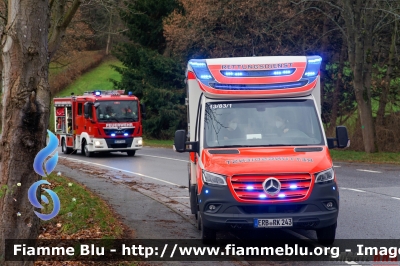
109 35
324 53
25 114
358 18
386 87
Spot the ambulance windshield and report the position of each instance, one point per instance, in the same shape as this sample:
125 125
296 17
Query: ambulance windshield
117 111
262 123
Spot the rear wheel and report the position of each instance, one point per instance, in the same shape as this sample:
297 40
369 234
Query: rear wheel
64 147
208 236
131 153
326 235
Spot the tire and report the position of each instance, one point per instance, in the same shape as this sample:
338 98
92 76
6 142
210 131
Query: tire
86 151
208 236
64 147
131 153
198 221
326 235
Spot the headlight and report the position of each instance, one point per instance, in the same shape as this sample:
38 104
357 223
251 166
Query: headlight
215 179
325 176
97 143
140 142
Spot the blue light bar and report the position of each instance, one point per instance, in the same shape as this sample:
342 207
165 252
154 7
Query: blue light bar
130 93
249 187
112 134
126 134
296 84
205 76
293 186
262 196
201 70
310 74
97 93
313 65
258 73
281 195
197 64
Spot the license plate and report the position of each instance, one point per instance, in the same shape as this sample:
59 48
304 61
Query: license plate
120 141
279 222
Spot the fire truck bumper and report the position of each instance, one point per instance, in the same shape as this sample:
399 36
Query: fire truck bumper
125 144
220 210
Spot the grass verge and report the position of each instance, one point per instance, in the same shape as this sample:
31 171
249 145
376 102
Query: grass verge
82 213
158 143
363 157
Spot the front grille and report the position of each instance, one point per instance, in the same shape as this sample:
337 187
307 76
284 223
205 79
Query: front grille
263 209
250 187
117 132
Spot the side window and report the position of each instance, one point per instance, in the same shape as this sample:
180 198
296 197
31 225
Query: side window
80 107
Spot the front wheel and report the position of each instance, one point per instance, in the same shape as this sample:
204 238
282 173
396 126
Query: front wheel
131 153
326 235
208 236
86 150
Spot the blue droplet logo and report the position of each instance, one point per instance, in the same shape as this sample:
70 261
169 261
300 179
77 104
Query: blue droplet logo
42 155
49 165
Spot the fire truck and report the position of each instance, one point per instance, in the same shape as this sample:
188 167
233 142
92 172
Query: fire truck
99 121
259 157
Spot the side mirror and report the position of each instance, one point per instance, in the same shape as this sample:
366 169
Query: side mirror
87 109
342 139
143 110
180 143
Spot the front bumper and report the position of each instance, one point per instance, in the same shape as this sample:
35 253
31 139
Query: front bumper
231 214
101 144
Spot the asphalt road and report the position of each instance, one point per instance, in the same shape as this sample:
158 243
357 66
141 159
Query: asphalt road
369 194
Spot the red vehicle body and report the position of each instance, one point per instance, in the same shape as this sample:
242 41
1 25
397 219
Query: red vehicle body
259 157
99 121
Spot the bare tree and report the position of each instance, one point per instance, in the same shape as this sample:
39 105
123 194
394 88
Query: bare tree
27 49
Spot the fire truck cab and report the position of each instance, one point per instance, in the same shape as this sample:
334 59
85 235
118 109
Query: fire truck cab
99 121
259 157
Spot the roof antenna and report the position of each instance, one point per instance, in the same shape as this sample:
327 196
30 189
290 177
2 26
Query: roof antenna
253 47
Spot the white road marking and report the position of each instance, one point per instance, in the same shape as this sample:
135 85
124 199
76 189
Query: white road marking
134 173
163 157
370 171
336 166
395 198
353 189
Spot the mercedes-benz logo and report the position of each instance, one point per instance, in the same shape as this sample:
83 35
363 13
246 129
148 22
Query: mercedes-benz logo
272 186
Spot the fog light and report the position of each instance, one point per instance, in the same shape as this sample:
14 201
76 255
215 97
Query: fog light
329 205
211 207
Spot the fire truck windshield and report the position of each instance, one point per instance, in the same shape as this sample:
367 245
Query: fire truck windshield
118 111
262 123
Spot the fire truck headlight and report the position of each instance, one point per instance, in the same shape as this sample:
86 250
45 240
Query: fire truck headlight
325 176
214 179
140 142
97 143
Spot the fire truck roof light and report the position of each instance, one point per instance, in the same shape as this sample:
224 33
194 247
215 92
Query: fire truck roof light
97 93
130 93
